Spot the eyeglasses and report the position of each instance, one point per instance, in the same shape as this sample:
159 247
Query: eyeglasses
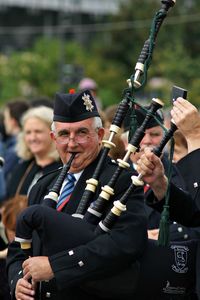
79 138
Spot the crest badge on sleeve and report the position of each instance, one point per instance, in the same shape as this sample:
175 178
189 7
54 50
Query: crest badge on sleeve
180 259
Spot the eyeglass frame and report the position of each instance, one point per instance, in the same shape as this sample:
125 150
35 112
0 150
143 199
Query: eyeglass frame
84 138
97 125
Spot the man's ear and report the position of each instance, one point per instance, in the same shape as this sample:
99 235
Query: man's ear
52 135
101 132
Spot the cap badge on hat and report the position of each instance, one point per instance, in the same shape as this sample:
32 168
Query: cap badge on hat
87 102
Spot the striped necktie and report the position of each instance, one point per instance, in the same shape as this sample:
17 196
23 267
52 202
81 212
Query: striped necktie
66 192
146 188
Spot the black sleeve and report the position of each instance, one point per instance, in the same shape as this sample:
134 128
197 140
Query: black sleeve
107 252
183 209
179 232
189 169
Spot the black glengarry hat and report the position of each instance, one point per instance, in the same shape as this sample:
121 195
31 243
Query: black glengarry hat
74 107
141 114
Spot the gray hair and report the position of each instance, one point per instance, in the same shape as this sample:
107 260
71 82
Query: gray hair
43 113
97 124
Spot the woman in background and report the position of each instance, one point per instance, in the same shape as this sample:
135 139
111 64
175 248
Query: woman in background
38 156
36 150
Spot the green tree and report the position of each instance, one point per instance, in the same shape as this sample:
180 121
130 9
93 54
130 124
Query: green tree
109 56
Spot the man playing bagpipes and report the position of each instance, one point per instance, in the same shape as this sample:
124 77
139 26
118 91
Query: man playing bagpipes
77 129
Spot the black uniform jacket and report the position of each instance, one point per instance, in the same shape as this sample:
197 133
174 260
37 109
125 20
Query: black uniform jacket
106 254
189 168
184 175
184 205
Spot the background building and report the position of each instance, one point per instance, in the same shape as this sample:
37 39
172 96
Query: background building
21 21
71 6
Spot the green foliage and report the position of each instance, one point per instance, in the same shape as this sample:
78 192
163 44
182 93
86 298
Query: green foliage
109 56
28 73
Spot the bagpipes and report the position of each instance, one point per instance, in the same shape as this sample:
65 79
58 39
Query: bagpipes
87 221
41 217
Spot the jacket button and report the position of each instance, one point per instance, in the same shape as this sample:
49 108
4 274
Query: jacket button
195 184
48 295
81 263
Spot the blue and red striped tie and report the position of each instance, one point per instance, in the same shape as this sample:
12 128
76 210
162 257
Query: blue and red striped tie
66 192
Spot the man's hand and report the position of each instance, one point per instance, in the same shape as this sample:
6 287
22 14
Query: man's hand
153 234
151 167
187 119
3 253
24 290
38 268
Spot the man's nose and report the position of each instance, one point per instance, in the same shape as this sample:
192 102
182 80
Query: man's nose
146 139
72 140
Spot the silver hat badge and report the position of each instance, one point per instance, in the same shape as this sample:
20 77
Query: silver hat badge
87 102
